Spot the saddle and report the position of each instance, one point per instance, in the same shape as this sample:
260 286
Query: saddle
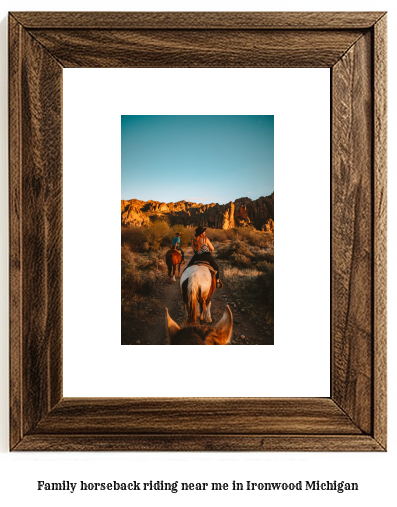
207 265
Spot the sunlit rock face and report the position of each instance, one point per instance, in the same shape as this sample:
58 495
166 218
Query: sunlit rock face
243 212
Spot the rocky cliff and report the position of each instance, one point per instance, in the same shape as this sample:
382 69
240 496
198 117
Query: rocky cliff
240 213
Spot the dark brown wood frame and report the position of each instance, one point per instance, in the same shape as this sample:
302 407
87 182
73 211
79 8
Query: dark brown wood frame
353 46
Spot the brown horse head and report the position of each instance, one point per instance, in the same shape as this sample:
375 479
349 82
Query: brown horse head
221 334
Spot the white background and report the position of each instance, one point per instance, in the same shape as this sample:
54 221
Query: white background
95 364
20 472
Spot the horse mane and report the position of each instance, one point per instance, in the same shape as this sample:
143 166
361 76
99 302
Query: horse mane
194 334
197 335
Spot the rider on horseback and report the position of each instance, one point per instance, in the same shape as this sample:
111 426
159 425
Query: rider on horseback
203 249
176 244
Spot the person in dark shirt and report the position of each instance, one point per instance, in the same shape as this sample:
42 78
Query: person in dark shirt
202 248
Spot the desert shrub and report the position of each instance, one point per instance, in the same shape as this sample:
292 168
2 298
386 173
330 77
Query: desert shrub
264 239
262 255
135 282
151 261
249 235
133 238
237 274
126 255
234 248
219 235
161 265
124 268
240 280
254 237
265 284
127 258
147 238
154 234
223 252
264 266
244 232
232 233
146 263
240 260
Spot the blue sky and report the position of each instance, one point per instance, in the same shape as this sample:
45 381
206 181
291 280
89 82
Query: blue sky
196 158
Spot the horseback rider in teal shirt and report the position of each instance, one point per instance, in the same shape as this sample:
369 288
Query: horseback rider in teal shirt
176 243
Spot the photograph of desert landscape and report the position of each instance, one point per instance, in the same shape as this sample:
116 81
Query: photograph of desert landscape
197 230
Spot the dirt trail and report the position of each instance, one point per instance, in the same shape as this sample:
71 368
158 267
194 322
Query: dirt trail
247 327
170 297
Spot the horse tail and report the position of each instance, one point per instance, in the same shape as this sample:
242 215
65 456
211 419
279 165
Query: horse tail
193 289
168 261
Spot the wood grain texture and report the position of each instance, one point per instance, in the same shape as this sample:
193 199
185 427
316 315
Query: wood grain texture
36 167
173 416
15 232
200 20
199 443
380 229
354 44
352 233
196 48
41 141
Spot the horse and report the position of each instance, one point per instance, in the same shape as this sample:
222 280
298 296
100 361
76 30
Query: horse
221 334
173 259
198 283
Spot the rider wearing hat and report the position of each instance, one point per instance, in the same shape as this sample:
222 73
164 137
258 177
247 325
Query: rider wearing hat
203 249
176 243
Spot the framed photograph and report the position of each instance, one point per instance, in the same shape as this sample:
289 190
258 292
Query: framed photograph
188 229
353 46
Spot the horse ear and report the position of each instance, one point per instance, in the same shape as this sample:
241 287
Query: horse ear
171 327
225 327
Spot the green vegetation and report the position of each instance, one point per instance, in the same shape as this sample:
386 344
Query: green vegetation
154 237
247 234
218 235
266 256
254 237
133 280
234 248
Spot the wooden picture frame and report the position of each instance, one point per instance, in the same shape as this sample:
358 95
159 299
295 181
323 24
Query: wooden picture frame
353 46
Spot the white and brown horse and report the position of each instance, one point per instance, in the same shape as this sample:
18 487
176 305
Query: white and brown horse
198 284
173 259
221 334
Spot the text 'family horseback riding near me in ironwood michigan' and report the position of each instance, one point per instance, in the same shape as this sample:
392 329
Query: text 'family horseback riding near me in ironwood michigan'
175 487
